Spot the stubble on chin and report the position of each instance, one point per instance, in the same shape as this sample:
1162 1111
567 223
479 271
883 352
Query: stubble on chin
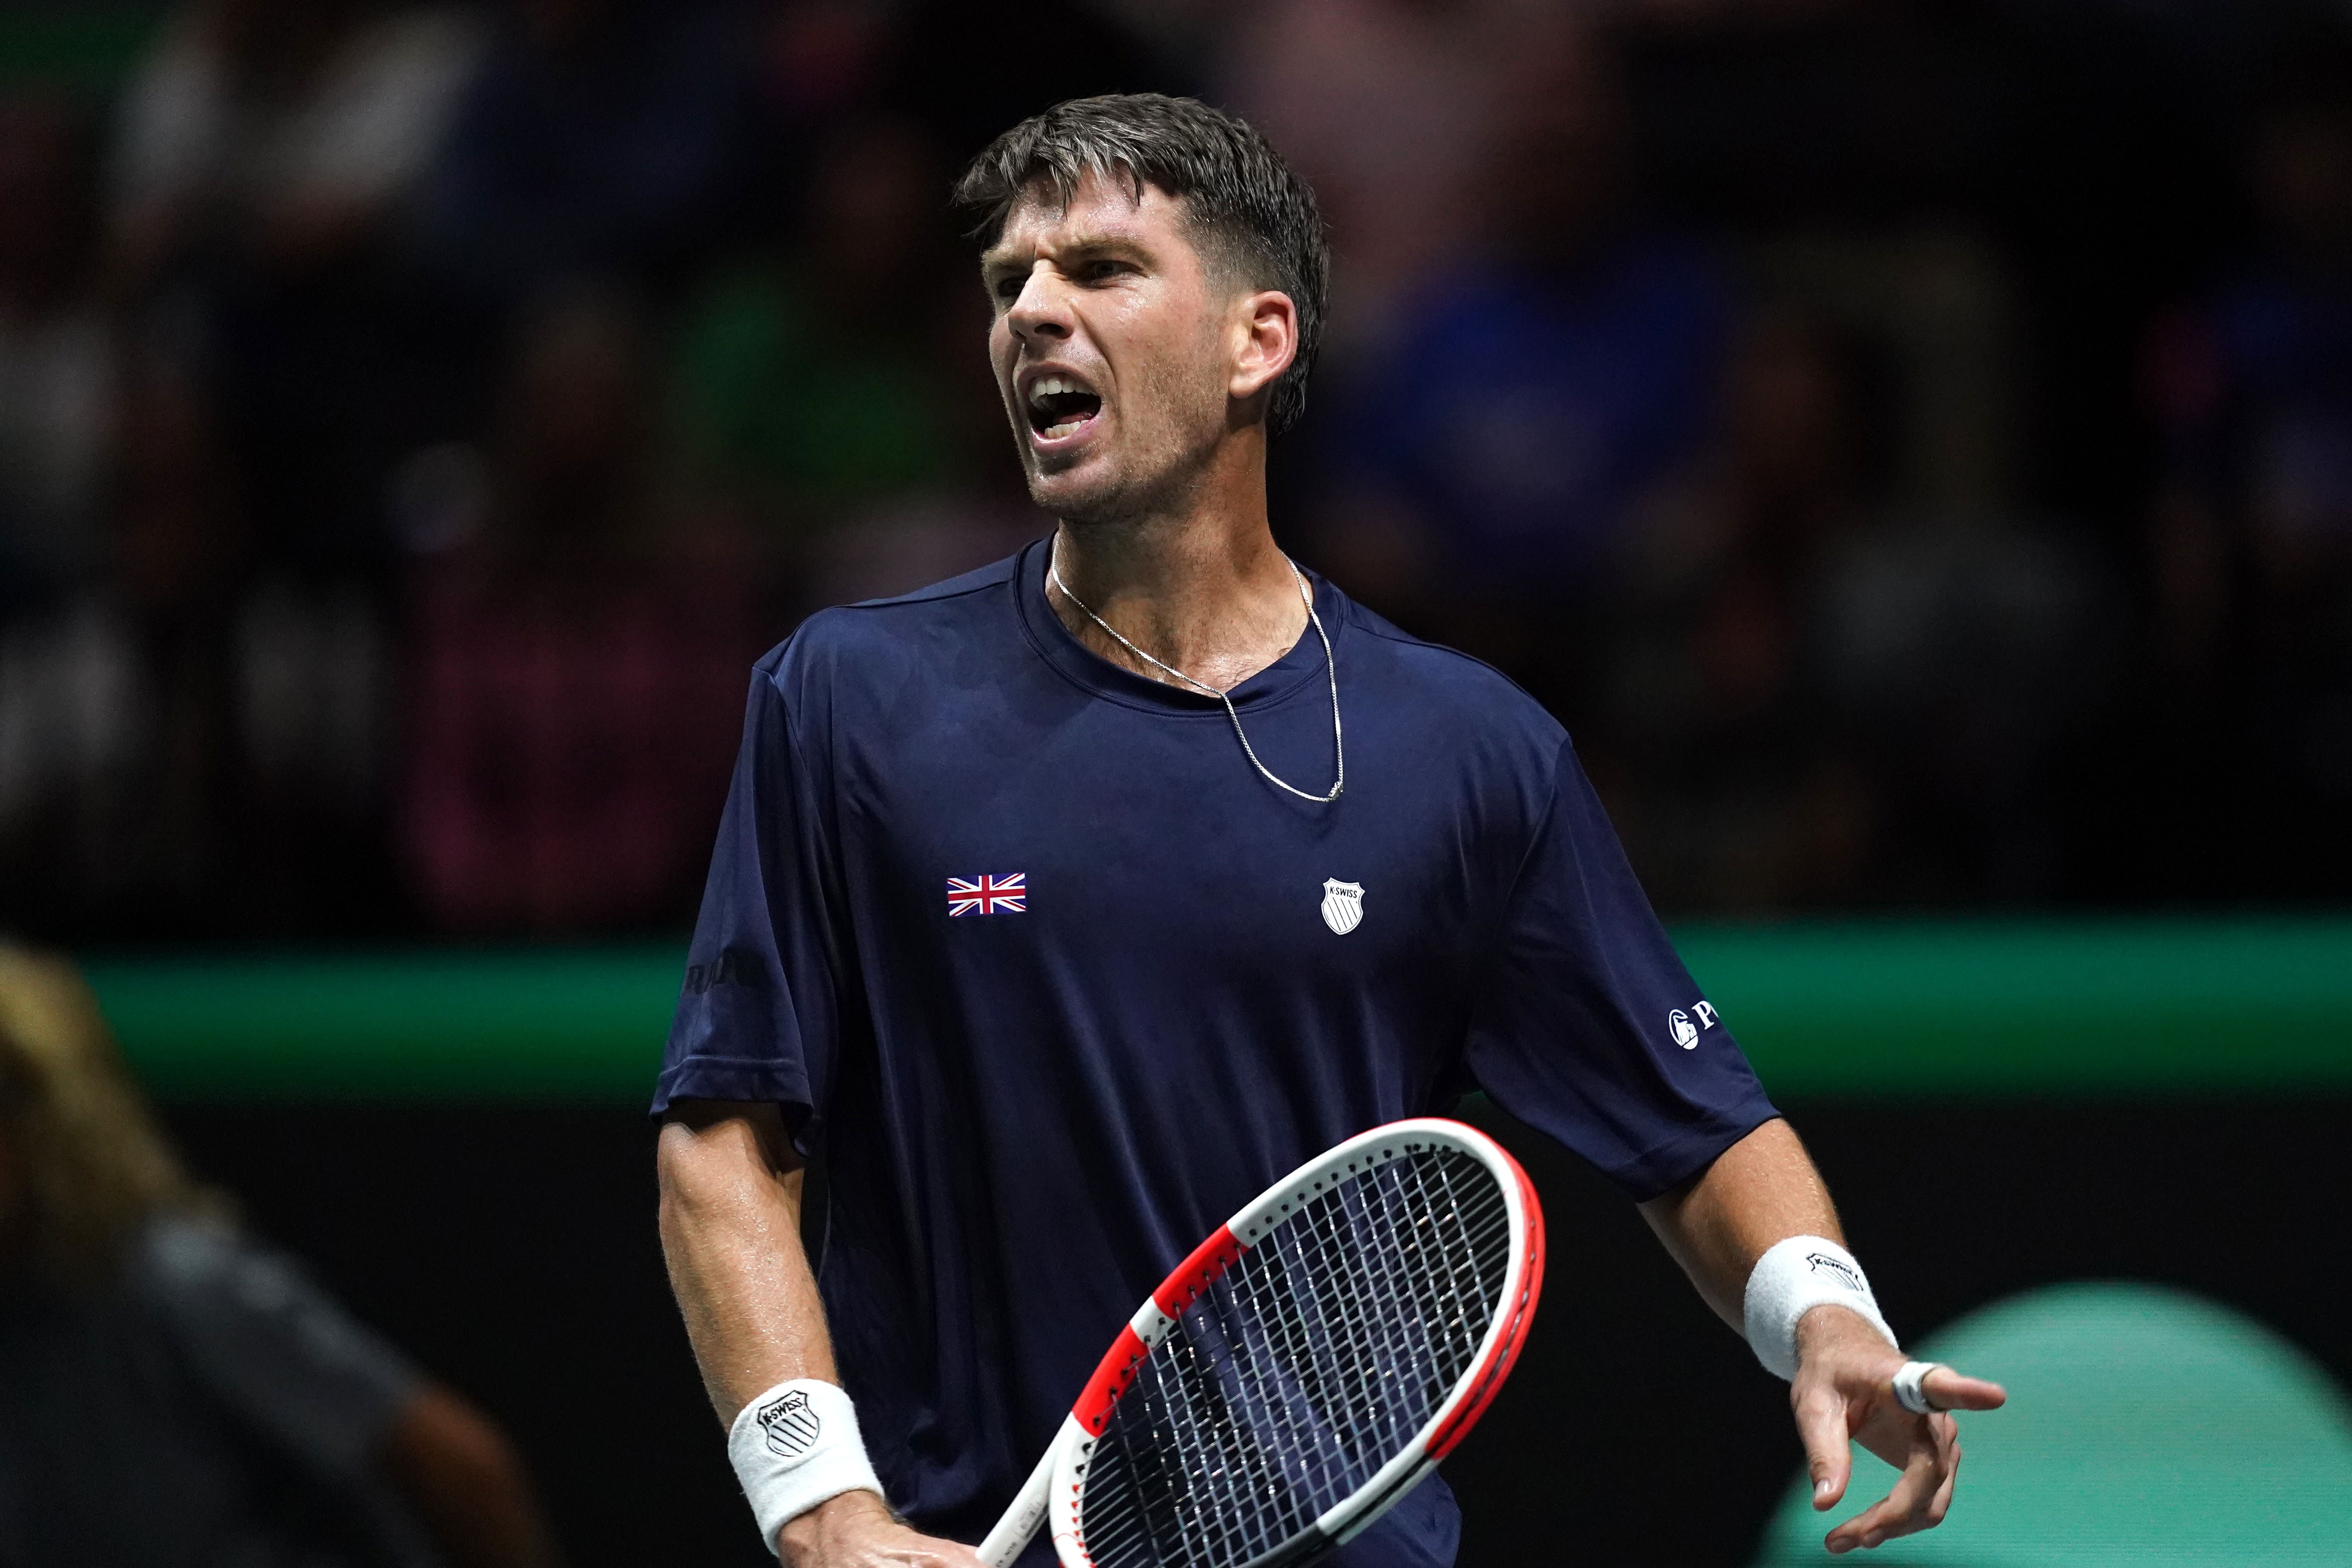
1084 500
1128 486
1113 500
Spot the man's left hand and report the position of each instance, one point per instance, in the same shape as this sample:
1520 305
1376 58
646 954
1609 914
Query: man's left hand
1844 1393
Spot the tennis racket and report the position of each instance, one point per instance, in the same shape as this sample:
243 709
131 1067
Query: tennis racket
1304 1368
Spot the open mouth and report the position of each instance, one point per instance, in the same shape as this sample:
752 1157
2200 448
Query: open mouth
1060 406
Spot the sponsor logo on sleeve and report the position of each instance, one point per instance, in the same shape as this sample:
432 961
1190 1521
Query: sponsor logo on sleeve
733 966
1686 1028
790 1426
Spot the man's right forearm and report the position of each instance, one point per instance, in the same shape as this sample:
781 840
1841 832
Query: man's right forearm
730 1215
731 1210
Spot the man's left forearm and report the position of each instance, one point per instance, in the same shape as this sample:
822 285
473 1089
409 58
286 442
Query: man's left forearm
1846 1374
1761 1190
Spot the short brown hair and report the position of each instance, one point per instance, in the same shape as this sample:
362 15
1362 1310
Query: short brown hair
1235 187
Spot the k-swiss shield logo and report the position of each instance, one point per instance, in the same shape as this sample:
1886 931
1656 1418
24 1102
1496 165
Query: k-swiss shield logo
791 1427
1343 905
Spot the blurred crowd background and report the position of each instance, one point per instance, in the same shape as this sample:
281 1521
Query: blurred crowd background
1909 444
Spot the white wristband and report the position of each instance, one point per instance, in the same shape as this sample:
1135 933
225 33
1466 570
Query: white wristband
1791 1279
794 1446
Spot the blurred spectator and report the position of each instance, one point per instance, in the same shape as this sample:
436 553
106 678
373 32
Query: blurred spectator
1931 307
170 1391
54 356
282 128
1717 734
839 391
598 137
812 382
1387 108
115 731
1812 699
2253 526
181 747
178 544
1484 466
579 660
265 145
312 670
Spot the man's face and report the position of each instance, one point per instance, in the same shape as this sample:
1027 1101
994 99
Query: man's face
1114 346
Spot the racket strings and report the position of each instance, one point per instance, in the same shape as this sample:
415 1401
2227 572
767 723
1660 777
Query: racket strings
1307 1366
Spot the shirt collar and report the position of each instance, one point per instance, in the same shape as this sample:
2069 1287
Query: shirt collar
1285 678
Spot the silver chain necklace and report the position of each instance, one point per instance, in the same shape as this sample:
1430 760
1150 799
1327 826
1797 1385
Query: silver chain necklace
1339 746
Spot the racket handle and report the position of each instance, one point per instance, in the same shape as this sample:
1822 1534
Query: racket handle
1019 1526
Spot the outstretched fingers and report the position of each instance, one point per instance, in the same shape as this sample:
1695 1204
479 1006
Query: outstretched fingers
1921 1494
1949 1390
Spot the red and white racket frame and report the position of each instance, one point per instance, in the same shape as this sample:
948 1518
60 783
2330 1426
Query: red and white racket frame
1051 1494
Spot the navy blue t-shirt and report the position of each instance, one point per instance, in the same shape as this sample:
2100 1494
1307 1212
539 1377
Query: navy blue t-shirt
1039 967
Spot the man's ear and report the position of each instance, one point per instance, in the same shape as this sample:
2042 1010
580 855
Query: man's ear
1265 340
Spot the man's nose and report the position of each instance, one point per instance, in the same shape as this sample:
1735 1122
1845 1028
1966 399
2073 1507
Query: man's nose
1041 311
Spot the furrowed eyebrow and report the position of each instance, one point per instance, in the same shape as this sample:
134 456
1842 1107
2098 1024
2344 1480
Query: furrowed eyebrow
1097 244
1085 246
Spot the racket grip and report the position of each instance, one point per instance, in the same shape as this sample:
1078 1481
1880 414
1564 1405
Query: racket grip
1019 1526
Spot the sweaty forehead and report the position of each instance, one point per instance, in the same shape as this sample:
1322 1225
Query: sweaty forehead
1102 211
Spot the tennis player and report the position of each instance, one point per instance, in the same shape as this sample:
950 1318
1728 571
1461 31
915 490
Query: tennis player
1058 909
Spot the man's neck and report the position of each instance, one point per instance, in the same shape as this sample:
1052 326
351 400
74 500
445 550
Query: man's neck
1201 587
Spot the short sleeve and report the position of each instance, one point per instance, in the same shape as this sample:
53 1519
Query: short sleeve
1590 1028
756 1016
274 1350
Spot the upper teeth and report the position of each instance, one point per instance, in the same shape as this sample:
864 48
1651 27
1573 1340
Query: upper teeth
1047 386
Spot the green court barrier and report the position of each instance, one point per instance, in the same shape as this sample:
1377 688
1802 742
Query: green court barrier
1907 1008
2024 1007
2144 1428
553 1024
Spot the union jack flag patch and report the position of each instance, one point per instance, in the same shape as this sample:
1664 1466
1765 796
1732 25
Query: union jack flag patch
988 895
